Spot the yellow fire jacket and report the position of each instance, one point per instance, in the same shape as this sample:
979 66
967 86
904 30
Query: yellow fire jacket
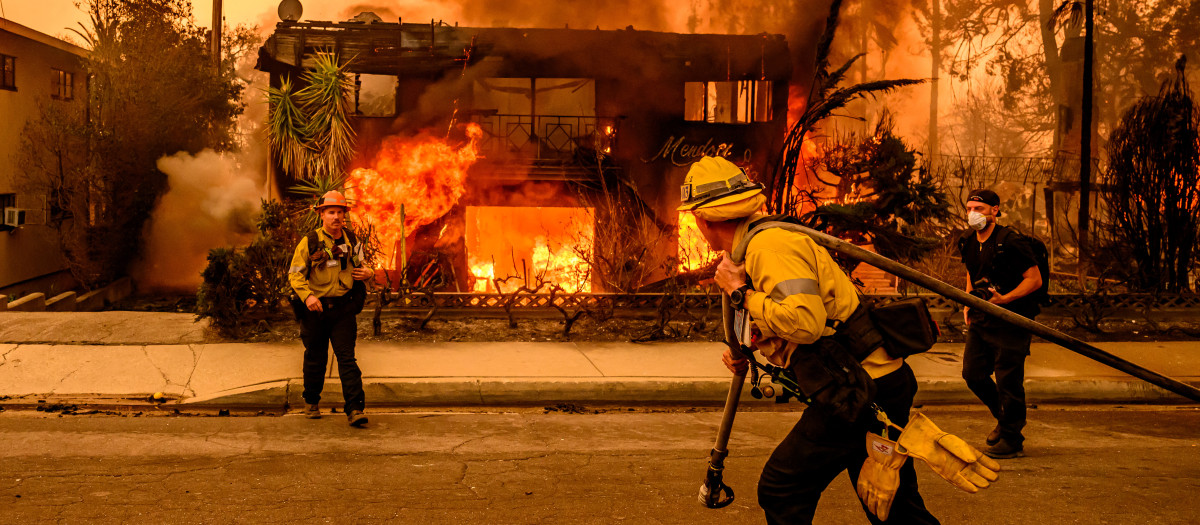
324 281
797 287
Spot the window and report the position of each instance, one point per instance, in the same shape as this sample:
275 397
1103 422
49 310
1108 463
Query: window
376 95
8 77
7 200
736 102
62 84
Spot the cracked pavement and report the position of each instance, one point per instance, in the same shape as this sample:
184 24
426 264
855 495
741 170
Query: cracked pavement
1094 464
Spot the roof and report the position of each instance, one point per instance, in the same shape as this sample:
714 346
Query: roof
391 48
41 38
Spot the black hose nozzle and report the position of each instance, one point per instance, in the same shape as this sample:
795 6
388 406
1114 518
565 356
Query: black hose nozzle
714 493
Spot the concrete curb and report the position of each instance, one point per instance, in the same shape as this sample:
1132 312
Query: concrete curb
433 392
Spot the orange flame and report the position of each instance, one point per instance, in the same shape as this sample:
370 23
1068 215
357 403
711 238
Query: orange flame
550 245
424 173
694 252
797 101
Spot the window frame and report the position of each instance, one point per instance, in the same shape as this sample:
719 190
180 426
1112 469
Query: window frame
8 72
746 102
62 84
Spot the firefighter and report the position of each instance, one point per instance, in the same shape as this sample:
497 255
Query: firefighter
326 276
795 293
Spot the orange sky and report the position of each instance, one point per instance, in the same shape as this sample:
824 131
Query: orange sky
53 17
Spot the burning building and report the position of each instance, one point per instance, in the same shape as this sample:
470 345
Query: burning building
527 156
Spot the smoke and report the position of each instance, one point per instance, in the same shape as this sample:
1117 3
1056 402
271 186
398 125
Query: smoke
213 199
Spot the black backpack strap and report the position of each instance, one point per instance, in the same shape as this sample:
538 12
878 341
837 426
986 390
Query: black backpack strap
1002 234
787 222
314 243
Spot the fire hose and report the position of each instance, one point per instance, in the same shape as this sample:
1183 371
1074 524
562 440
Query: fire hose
714 486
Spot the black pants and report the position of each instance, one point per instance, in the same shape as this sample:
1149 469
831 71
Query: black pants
317 330
999 349
821 446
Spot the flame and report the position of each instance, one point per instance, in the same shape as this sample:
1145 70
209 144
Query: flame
694 252
548 245
483 274
797 102
424 173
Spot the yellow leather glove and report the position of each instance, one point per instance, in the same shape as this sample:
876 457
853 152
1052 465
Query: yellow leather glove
948 455
880 475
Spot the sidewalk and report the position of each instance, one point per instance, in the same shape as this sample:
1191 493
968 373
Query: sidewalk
127 370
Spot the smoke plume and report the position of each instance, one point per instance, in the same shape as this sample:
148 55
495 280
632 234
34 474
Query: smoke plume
213 201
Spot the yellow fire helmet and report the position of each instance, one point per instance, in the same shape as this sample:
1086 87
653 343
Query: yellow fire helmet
714 182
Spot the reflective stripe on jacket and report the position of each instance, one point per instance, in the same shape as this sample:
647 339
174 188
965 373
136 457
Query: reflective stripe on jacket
798 286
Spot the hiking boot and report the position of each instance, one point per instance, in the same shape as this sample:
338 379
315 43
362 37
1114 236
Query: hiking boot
356 418
312 411
994 437
1004 450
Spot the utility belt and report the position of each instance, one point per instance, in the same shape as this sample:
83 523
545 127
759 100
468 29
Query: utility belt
829 373
350 302
335 302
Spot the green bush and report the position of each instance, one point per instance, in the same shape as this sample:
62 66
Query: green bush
241 289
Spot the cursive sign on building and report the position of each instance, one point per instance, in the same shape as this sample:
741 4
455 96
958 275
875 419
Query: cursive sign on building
680 152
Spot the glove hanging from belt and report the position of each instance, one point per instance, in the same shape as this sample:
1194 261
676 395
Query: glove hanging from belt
948 455
880 475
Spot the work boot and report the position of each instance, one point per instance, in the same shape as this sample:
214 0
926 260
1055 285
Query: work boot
356 418
994 437
1003 449
311 411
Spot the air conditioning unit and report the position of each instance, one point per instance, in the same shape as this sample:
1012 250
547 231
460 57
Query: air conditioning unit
14 217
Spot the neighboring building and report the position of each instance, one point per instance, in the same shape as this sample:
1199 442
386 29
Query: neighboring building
550 102
37 70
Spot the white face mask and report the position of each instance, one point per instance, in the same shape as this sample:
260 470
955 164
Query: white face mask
977 221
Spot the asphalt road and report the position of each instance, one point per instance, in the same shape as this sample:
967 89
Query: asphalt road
1085 465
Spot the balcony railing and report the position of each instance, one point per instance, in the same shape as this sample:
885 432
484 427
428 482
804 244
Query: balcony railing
545 137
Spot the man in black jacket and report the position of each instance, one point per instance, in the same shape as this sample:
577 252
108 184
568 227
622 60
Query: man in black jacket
1003 271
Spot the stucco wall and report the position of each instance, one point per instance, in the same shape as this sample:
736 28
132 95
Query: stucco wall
31 251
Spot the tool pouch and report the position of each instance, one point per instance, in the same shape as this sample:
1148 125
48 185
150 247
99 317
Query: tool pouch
357 297
298 307
906 326
830 377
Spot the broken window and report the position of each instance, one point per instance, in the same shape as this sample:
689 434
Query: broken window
376 95
8 72
733 102
62 84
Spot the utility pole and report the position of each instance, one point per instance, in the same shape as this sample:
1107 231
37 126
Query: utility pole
1085 140
215 43
935 16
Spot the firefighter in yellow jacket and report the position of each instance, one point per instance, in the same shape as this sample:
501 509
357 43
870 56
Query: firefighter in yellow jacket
795 293
323 276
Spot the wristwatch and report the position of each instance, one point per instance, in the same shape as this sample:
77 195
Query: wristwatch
737 298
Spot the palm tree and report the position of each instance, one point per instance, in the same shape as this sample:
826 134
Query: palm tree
309 128
825 97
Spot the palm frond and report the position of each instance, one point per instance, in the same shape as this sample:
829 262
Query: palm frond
326 100
311 189
287 126
835 78
826 41
840 98
1070 11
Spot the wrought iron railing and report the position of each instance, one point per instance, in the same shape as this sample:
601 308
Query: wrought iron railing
545 137
651 301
